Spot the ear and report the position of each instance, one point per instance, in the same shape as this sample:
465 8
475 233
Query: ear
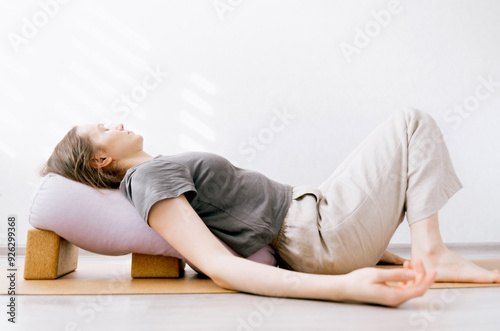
99 162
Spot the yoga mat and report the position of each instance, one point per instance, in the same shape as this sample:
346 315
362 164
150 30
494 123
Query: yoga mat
112 279
115 279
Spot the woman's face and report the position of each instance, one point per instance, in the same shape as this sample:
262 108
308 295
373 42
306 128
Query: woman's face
116 142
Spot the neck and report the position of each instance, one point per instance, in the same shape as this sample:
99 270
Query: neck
137 159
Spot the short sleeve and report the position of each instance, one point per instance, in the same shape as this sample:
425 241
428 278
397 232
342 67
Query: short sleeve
155 181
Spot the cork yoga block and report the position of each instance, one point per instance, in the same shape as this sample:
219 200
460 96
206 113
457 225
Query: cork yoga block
156 266
48 256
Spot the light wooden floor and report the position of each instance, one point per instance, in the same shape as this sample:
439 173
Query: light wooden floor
448 309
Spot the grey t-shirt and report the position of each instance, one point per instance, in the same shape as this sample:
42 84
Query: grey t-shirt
243 208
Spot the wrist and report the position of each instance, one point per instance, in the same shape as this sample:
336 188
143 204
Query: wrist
341 287
333 287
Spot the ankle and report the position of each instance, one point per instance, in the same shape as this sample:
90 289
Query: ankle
428 250
426 239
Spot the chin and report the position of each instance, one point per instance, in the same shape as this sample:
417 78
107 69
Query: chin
140 141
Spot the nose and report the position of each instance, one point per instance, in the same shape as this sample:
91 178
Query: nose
118 127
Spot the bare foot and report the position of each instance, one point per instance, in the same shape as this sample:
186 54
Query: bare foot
391 258
452 267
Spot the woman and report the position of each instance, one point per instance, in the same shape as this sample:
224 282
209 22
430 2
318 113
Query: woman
327 238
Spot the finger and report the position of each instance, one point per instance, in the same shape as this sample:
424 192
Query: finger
407 265
426 282
419 268
417 289
424 275
406 284
395 275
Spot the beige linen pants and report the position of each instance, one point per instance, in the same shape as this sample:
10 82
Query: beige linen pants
402 167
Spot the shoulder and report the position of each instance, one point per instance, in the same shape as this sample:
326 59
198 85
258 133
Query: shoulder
159 178
148 173
174 166
159 164
194 156
198 161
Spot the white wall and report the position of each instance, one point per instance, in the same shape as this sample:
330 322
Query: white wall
233 64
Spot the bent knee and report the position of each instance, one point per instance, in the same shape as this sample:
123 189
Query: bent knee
416 115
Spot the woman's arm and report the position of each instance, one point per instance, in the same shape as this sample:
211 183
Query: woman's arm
176 221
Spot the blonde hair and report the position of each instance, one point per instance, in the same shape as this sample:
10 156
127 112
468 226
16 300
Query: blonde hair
71 159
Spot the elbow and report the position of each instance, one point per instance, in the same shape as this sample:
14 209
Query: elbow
221 282
220 274
221 279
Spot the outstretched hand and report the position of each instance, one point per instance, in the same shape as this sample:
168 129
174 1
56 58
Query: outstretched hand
370 284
